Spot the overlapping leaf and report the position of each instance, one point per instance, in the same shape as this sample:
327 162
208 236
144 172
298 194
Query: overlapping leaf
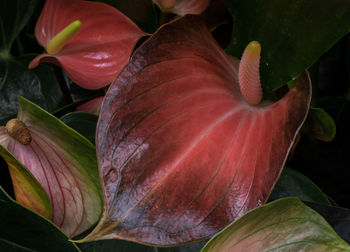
84 123
283 225
38 85
294 33
23 230
65 165
181 154
13 16
294 184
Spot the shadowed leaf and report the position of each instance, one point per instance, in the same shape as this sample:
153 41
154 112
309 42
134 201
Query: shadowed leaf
84 123
24 230
294 184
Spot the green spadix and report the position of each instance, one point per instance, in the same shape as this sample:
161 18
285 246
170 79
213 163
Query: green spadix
60 39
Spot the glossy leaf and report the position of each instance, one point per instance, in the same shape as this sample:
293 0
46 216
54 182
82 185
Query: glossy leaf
337 217
293 34
182 7
283 225
38 85
294 184
181 154
28 190
24 230
98 52
65 165
84 123
14 14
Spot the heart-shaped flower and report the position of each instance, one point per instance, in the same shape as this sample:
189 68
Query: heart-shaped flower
53 169
91 41
185 142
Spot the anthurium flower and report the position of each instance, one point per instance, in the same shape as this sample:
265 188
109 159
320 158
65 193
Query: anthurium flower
93 106
185 142
182 7
90 40
53 169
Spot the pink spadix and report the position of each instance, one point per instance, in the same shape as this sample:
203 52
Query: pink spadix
248 74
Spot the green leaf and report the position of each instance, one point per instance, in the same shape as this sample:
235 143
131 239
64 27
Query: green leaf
283 225
38 85
84 123
320 125
294 184
28 190
24 230
337 217
14 14
293 34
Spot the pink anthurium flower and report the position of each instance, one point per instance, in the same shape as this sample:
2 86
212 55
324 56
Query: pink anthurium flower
90 40
53 169
182 7
185 142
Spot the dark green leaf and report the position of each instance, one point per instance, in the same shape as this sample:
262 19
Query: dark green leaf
24 230
294 184
14 14
337 217
283 225
125 246
84 123
320 125
114 245
193 247
293 34
38 85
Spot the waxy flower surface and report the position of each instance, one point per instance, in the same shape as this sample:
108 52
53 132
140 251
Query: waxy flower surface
53 169
98 45
185 142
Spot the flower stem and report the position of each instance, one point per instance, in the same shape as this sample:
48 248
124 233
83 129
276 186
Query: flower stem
63 85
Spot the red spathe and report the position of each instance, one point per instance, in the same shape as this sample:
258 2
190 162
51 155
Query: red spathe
181 153
98 52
